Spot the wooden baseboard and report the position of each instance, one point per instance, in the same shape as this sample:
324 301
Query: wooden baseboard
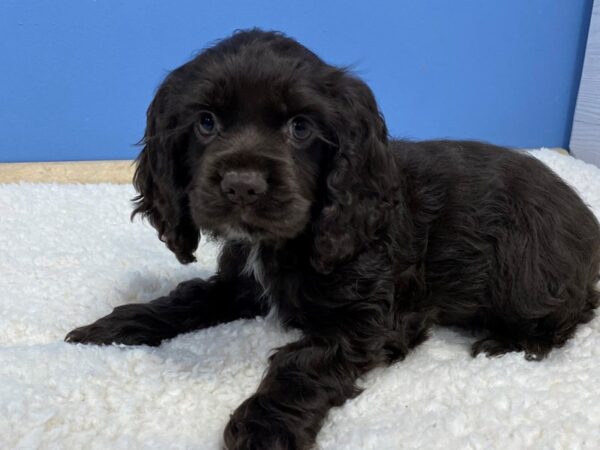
118 172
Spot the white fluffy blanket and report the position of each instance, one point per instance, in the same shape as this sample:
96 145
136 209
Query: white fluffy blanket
68 255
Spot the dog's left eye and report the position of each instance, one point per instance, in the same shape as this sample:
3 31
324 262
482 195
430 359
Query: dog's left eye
300 128
207 123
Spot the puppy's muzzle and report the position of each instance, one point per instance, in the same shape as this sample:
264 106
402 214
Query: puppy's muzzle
243 187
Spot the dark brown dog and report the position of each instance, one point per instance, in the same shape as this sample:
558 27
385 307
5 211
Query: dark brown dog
362 242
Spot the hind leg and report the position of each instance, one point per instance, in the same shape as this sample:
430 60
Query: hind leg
535 308
497 345
537 337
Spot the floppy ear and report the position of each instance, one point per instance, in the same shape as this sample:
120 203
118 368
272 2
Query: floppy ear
360 187
161 177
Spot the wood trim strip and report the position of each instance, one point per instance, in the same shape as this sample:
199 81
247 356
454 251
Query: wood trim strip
118 172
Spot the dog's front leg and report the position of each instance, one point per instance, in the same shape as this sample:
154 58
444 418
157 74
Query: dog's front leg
192 305
304 381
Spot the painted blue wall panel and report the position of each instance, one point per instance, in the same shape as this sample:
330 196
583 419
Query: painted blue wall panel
76 75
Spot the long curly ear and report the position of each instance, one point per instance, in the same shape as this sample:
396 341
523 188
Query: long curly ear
161 177
360 187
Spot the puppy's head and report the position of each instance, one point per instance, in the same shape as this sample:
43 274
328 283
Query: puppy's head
256 138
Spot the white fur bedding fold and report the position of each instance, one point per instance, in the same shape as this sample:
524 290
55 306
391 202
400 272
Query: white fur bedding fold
68 255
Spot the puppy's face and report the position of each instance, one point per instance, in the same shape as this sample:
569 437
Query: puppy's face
259 145
258 138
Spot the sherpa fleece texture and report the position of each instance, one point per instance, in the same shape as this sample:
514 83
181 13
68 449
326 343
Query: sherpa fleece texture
69 254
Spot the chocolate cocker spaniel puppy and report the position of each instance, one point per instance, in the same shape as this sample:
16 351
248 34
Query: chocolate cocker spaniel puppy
362 242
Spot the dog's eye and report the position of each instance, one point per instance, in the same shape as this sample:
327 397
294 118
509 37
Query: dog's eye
300 128
207 123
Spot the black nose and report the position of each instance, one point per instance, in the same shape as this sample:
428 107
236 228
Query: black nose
243 187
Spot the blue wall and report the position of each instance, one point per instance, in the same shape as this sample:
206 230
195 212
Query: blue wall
76 75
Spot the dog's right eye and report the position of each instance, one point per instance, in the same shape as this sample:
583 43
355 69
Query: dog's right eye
207 123
300 128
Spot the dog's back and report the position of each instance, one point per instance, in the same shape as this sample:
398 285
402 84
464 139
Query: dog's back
509 246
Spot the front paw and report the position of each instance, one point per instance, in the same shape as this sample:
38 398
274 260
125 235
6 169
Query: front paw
100 334
128 324
254 426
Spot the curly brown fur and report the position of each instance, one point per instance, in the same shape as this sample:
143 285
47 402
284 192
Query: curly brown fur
362 242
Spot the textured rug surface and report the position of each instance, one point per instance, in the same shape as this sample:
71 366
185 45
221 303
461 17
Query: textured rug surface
68 255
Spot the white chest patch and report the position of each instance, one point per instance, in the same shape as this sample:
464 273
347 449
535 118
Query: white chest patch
255 268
